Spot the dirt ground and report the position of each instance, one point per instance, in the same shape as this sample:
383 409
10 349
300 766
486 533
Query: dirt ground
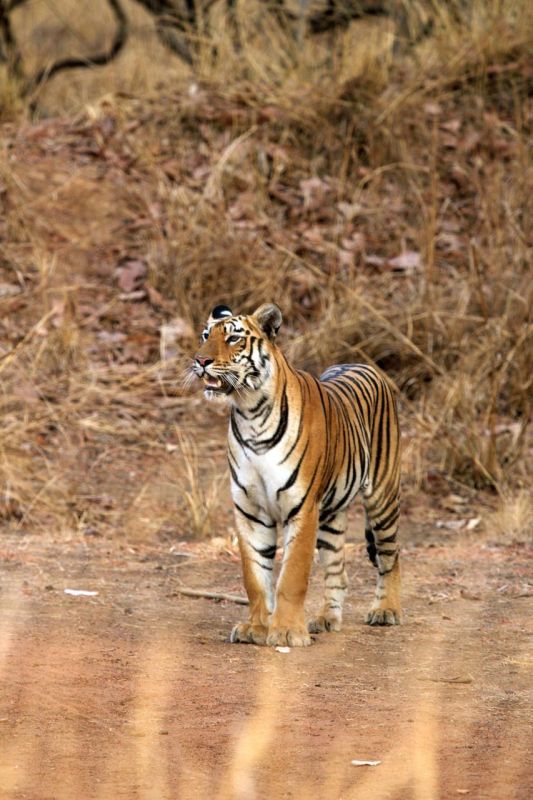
136 693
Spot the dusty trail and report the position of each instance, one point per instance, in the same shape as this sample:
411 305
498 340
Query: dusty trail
135 692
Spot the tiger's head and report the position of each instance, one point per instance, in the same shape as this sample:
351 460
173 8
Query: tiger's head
235 354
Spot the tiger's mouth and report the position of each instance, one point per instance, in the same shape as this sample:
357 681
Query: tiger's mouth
216 385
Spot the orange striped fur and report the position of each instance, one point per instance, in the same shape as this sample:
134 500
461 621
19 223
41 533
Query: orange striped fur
300 449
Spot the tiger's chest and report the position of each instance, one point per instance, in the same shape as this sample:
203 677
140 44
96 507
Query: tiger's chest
259 483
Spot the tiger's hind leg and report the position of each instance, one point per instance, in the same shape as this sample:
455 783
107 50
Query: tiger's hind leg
381 533
330 544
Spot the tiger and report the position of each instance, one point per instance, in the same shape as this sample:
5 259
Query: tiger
300 449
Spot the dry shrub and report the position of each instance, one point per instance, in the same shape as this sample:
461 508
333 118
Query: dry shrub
203 261
11 102
292 172
200 489
513 519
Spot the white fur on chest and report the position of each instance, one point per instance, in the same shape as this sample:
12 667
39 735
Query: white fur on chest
262 476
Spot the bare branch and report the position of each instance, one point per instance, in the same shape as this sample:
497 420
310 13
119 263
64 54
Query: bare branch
233 598
159 7
339 15
9 50
98 59
165 29
172 25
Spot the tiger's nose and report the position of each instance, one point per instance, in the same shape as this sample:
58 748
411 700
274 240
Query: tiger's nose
204 362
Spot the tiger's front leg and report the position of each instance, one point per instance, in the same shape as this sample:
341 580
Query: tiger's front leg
257 544
287 624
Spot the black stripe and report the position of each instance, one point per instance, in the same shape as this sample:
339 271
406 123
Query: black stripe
362 390
267 552
377 437
294 473
389 520
329 529
383 439
300 425
389 539
386 571
264 414
357 430
326 501
386 474
330 514
339 562
357 392
263 445
259 405
235 430
386 398
323 545
343 410
235 478
262 355
254 519
371 546
330 572
297 507
263 566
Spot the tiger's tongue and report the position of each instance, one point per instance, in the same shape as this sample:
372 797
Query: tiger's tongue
216 383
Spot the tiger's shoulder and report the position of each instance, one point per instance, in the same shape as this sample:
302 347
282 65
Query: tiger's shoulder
337 370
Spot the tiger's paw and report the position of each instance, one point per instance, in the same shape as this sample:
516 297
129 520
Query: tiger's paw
247 633
383 616
291 637
324 623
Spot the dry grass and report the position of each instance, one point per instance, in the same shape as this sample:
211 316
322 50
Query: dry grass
512 521
202 501
293 173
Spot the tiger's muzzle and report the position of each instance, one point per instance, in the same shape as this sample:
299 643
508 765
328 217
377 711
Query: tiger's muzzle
213 384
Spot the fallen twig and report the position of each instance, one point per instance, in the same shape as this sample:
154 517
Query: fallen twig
233 598
84 62
456 679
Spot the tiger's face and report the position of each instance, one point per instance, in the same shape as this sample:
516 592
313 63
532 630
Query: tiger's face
235 351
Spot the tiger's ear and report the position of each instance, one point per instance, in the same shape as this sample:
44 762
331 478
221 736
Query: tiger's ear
219 312
269 319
